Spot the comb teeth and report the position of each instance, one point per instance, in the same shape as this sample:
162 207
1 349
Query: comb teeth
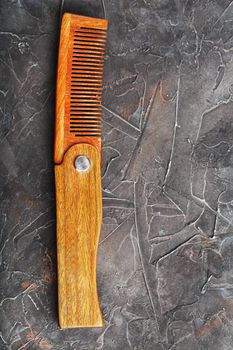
79 83
86 81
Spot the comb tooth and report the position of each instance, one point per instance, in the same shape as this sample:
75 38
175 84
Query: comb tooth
82 107
80 41
84 113
86 39
86 77
87 122
87 94
90 32
85 118
78 95
87 85
76 90
90 36
95 102
94 54
98 31
85 109
83 72
84 102
86 81
74 98
89 58
91 88
75 128
88 55
86 45
94 132
86 129
86 74
89 47
88 64
89 69
85 33
77 98
88 135
82 31
90 121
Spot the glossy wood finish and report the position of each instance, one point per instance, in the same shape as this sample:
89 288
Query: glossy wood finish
78 195
79 215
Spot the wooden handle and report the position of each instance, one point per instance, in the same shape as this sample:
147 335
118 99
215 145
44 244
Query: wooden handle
79 215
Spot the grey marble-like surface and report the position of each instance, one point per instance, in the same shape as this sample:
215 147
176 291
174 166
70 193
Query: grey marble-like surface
165 264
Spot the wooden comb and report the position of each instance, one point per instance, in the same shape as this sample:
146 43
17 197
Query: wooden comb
77 158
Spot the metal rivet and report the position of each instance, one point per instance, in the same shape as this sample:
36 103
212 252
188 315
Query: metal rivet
82 164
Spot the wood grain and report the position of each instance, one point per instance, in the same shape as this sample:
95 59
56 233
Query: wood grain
78 195
79 215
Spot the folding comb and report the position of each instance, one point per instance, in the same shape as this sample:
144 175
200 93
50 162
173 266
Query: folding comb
77 157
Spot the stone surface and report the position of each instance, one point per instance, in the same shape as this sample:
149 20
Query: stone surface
165 264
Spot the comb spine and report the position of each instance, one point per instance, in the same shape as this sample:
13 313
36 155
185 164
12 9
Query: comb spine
61 85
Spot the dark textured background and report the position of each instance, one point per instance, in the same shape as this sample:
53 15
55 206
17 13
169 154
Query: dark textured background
165 264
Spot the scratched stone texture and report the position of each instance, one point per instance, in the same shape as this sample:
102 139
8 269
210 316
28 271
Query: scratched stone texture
165 263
